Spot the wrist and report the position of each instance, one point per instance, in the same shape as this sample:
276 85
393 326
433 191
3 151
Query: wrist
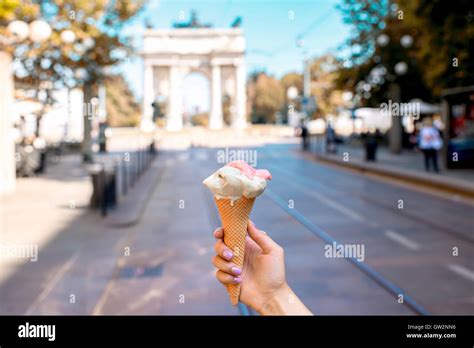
284 302
276 303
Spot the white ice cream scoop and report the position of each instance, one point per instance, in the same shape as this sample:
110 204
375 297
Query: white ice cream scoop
235 180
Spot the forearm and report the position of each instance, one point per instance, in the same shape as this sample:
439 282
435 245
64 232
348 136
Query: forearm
285 302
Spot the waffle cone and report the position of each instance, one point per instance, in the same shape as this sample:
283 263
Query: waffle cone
235 219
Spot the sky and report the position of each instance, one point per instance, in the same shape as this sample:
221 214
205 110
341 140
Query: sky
271 29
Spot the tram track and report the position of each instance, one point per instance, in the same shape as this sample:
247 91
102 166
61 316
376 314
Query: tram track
383 282
368 271
375 202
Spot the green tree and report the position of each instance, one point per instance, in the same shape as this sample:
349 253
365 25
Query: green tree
12 9
366 18
100 43
122 108
292 79
287 81
267 97
444 39
324 71
441 32
370 70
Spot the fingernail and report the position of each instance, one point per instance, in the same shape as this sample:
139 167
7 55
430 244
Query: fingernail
236 270
237 280
228 254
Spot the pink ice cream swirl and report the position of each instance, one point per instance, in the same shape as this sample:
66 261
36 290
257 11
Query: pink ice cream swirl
250 171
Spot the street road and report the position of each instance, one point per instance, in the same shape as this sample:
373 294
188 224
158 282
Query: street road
412 250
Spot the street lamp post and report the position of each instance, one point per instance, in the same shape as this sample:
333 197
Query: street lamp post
306 74
306 78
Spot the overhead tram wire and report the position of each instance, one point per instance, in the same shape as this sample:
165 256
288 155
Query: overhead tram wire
271 54
225 11
315 24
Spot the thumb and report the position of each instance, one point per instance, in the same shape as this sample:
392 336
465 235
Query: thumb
261 238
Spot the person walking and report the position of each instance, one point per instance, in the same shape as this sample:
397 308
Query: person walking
430 142
331 139
304 133
371 139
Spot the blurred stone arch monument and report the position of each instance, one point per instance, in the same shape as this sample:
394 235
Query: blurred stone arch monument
169 55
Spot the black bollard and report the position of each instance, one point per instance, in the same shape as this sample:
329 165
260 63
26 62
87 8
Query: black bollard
103 187
124 178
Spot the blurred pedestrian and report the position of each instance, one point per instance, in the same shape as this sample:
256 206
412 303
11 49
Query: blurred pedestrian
263 281
371 139
430 143
331 139
304 132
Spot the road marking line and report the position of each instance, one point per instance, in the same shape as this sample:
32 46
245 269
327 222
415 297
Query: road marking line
52 283
326 200
364 267
331 203
203 156
349 212
462 271
182 157
400 239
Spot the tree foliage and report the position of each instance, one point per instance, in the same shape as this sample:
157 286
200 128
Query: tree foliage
366 17
324 71
99 43
122 109
441 31
13 9
287 81
292 79
267 97
444 33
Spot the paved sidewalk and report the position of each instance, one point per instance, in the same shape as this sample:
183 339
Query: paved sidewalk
87 264
76 248
41 206
169 269
408 159
407 166
50 212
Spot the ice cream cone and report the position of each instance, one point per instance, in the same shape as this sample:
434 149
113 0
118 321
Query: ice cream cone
235 187
235 218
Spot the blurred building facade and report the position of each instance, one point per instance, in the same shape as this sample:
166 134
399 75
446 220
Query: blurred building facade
61 122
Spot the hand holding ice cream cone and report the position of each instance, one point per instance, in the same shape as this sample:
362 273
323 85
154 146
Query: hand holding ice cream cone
235 187
262 277
251 266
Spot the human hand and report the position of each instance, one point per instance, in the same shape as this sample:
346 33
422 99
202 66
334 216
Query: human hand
263 273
